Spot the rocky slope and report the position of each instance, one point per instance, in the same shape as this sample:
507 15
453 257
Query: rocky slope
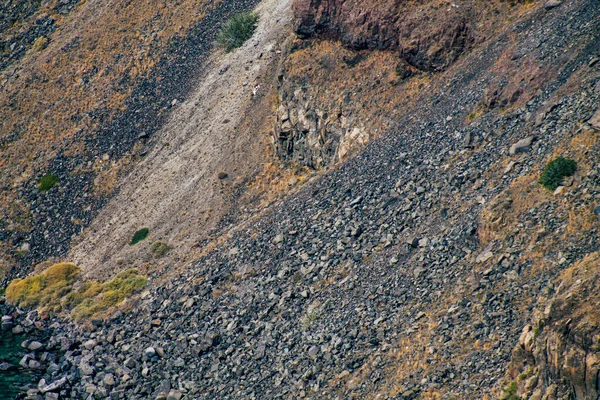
83 107
408 271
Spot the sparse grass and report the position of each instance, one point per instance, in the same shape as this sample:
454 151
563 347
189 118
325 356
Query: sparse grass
159 249
139 236
477 113
510 392
555 171
47 182
40 43
54 291
44 289
237 30
94 297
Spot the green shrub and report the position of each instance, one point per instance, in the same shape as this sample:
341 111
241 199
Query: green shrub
237 30
555 171
139 236
159 249
47 182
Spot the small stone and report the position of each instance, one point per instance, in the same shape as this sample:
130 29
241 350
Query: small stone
150 352
424 242
413 241
155 322
593 61
174 395
595 120
86 369
293 181
35 345
54 386
313 352
420 190
468 140
17 330
509 167
356 201
484 256
179 362
4 366
597 211
90 344
559 190
109 380
393 261
278 238
260 351
418 271
552 4
304 293
521 146
25 247
222 175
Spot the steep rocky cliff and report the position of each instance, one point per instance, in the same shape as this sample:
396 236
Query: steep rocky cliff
558 354
325 113
429 35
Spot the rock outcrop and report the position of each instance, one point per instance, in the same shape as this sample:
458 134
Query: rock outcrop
558 354
427 38
318 121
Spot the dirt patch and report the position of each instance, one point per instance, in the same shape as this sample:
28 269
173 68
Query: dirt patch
176 191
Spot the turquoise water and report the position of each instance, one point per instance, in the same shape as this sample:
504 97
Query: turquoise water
11 352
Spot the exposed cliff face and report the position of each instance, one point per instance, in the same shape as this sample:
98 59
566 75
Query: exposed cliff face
558 354
332 101
379 54
430 35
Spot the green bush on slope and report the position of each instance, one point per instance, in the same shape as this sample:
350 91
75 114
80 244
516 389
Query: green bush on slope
555 171
237 30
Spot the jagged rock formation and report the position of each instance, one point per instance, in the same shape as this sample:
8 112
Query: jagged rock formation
321 121
430 35
558 354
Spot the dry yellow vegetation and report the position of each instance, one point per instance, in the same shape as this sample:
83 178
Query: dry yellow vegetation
59 288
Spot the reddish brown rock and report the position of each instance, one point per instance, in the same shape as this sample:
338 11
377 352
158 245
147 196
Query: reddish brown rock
429 36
